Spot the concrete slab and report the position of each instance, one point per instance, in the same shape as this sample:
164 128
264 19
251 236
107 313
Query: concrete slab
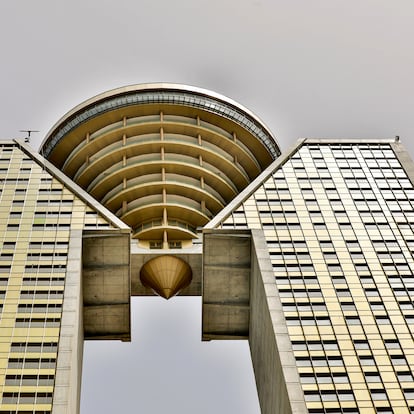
106 284
226 285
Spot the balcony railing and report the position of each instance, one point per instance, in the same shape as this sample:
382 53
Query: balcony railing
158 223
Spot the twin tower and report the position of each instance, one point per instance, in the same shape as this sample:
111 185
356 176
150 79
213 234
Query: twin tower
307 254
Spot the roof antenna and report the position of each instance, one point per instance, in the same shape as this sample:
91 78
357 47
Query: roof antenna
29 132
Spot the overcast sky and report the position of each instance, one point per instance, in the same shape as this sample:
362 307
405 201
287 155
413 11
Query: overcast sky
308 68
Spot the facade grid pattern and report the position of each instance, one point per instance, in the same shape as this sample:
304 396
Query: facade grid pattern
37 216
338 220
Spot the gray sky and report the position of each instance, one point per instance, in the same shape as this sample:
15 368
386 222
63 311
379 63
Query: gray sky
308 68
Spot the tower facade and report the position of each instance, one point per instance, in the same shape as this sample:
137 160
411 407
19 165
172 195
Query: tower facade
65 276
325 296
169 189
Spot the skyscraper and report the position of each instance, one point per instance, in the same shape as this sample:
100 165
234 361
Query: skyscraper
65 275
308 254
327 302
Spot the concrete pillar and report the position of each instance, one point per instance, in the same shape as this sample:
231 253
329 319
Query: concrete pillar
66 395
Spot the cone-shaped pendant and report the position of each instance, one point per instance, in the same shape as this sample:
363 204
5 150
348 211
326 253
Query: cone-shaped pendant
166 275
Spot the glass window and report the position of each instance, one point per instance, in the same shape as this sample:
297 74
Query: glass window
392 344
377 395
366 360
405 376
398 360
372 377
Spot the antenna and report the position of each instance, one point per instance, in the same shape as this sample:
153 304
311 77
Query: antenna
29 133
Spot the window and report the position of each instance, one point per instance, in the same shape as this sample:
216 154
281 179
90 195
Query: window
409 393
48 244
372 377
334 268
30 380
326 245
299 345
378 395
405 376
35 268
330 256
32 363
366 280
382 320
392 344
41 294
361 344
27 398
155 244
366 360
345 395
39 308
307 378
312 396
338 280
398 360
50 190
343 292
308 320
43 281
376 306
50 226
47 256
5 268
340 378
37 322
33 347
352 320
12 226
371 292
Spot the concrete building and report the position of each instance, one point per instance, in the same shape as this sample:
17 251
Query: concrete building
65 276
327 300
176 190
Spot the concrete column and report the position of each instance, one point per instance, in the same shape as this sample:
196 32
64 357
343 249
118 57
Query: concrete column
66 395
165 240
274 364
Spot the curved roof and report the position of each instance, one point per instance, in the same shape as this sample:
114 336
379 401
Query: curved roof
152 93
